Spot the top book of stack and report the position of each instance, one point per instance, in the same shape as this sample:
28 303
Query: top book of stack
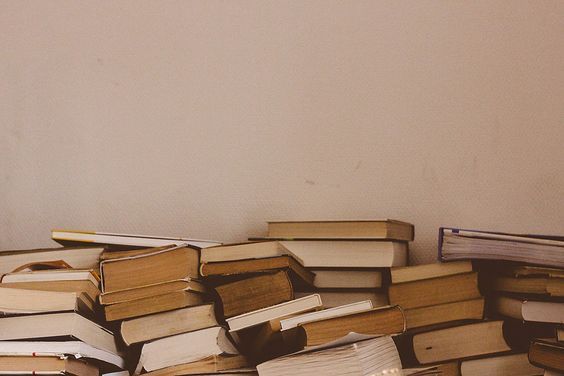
384 229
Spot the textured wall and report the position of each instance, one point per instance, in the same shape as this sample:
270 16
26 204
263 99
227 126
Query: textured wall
206 119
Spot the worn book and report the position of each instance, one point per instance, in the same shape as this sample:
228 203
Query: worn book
351 229
504 365
215 364
528 285
46 365
20 301
348 278
529 310
185 348
472 309
153 304
304 318
339 297
121 296
434 291
254 293
164 324
243 251
75 257
459 244
74 237
428 271
149 269
547 354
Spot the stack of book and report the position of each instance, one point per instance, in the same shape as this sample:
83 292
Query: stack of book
51 321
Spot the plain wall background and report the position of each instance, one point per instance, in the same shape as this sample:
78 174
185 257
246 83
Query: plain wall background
206 119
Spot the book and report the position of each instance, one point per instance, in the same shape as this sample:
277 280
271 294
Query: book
76 257
73 237
58 280
184 348
560 334
297 272
434 291
428 271
148 269
242 251
528 285
505 365
375 356
350 229
335 278
20 301
46 365
120 296
444 369
547 354
294 321
221 364
66 324
457 244
275 312
164 324
472 309
348 254
529 310
387 320
152 304
460 342
77 349
336 298
254 293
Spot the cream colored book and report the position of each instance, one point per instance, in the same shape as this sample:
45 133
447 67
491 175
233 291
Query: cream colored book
332 299
292 322
505 365
528 310
419 272
20 301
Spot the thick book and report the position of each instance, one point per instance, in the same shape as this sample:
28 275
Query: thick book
294 321
505 365
472 309
254 293
350 229
157 289
215 364
148 269
75 257
46 365
334 298
348 278
529 310
428 271
387 320
77 349
375 356
185 348
275 312
348 254
529 285
66 324
434 291
21 301
459 244
153 304
547 354
73 237
164 324
459 342
242 251
297 272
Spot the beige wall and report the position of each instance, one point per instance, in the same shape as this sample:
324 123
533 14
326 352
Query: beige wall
208 118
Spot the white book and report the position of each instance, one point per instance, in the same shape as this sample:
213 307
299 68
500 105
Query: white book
22 301
333 299
66 237
344 310
75 348
506 365
528 310
246 320
52 275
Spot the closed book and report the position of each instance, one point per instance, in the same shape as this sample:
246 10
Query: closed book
220 364
472 309
185 348
528 285
76 257
296 271
529 310
152 304
341 278
21 301
348 229
428 271
46 365
294 321
389 320
460 244
547 354
73 237
78 287
340 297
460 342
434 291
149 269
254 293
166 324
242 251
505 365
121 296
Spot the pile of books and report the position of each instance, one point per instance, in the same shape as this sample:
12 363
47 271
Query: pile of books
313 297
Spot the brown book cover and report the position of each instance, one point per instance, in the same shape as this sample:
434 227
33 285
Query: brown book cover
435 291
298 274
254 293
121 296
547 354
33 365
472 309
212 364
